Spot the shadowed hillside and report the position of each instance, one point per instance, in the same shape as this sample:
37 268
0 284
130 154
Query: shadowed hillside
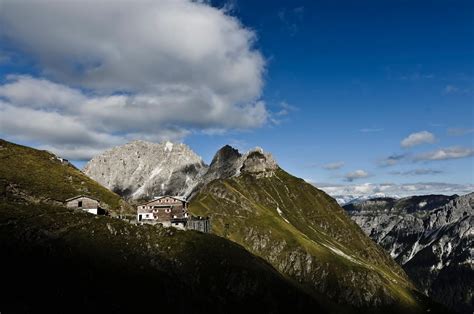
55 260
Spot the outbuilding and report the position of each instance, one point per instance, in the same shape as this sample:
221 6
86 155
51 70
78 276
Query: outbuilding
85 203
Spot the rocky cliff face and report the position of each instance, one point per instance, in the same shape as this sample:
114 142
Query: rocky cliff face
431 236
140 170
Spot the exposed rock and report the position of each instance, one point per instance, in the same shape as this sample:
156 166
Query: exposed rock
431 236
259 163
142 169
224 164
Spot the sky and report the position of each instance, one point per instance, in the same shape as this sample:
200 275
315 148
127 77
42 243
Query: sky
357 97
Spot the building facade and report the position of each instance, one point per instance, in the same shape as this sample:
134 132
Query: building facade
171 211
85 203
163 209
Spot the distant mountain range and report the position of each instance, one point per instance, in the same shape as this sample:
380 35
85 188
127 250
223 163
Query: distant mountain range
431 236
349 199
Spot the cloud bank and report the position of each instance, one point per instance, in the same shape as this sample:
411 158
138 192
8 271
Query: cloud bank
445 154
347 192
143 69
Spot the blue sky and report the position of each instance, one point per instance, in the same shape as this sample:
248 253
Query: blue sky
338 84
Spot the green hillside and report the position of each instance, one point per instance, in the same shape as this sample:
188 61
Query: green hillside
307 236
41 177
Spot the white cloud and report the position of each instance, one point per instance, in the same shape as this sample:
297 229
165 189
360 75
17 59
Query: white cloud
358 174
138 45
423 137
446 153
65 116
27 91
112 70
334 165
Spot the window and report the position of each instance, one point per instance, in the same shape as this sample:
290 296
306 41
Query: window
79 204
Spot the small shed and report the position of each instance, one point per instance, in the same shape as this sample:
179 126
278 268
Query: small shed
199 223
85 203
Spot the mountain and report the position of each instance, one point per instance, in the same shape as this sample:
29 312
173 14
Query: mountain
302 232
298 229
347 199
140 170
431 236
58 260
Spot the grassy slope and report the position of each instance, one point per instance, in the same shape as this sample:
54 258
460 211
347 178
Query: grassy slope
319 246
47 179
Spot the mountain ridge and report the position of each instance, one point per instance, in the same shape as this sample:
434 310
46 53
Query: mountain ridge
299 230
431 236
302 232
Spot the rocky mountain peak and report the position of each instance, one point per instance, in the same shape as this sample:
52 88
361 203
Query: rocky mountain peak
229 162
224 164
141 169
257 161
225 155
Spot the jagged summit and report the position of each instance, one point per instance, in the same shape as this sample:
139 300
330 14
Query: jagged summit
229 162
256 161
224 164
141 169
224 156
